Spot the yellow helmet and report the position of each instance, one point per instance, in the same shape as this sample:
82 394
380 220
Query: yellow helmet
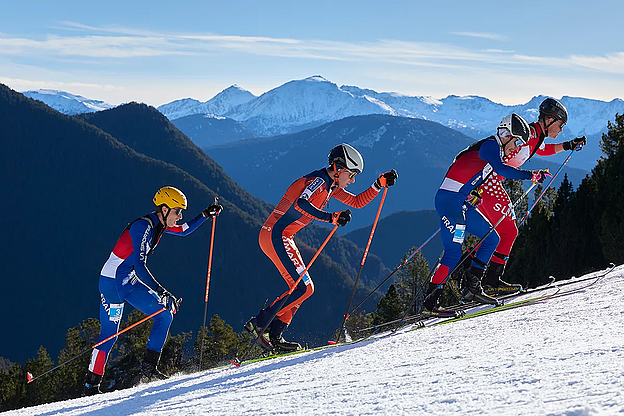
171 197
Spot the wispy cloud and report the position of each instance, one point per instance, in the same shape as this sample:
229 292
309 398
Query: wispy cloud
41 84
483 35
117 42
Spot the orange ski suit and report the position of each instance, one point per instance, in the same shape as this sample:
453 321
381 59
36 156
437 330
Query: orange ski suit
302 203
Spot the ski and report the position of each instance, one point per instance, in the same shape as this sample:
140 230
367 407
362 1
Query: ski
487 309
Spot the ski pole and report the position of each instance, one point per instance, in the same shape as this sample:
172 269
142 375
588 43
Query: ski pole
545 188
214 221
30 377
370 239
283 302
403 262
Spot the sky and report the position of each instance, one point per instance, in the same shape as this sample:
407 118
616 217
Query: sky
156 52
561 356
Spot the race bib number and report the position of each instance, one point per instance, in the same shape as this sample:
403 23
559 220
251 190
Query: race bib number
459 234
115 312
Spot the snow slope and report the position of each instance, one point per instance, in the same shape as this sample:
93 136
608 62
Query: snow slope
562 356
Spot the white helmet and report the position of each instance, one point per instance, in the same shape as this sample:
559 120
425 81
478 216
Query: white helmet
515 127
346 157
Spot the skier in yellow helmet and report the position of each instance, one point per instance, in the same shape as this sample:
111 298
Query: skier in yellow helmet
126 278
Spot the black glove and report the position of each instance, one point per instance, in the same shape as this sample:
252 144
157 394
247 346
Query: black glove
576 144
341 218
386 179
170 302
212 210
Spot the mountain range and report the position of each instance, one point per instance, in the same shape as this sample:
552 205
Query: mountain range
420 150
301 104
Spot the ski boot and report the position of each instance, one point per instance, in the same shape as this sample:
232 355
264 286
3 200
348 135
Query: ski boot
430 305
255 330
149 367
492 283
473 290
278 341
92 384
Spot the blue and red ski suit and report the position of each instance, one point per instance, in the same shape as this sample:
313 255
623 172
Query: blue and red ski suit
126 278
302 203
457 217
495 201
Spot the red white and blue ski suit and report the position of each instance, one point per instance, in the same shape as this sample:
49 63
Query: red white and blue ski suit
302 203
126 278
495 201
457 217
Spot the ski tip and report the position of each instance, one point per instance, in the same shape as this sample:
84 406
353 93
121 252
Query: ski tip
236 362
30 377
332 342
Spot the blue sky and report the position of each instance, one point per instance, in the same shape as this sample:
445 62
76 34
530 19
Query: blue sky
156 51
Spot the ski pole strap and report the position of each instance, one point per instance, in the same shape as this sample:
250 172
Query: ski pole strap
552 180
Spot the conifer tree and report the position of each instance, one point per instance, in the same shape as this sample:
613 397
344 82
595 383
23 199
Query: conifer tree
389 307
220 343
44 391
71 376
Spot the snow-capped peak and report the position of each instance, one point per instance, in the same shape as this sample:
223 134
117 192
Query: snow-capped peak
67 103
220 104
307 102
317 78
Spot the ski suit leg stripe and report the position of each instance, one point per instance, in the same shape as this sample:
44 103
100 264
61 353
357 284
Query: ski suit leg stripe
286 257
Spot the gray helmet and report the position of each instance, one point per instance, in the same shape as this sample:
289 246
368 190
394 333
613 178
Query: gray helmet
516 126
345 156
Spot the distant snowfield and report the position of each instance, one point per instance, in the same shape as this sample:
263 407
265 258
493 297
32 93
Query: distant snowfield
563 356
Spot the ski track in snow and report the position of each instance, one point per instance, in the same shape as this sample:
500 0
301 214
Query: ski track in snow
562 356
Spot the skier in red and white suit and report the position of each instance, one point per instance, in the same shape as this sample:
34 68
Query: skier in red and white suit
495 202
